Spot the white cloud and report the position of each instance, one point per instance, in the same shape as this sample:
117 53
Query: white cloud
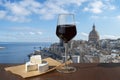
17 18
17 9
2 14
109 36
105 17
98 6
118 17
31 33
53 7
24 30
65 3
21 28
30 3
95 7
109 6
50 10
35 33
94 17
15 12
20 11
21 33
77 22
86 9
112 7
40 33
84 34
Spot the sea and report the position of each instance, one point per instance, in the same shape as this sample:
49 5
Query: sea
17 52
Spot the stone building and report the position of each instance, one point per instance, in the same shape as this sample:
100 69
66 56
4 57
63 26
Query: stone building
93 36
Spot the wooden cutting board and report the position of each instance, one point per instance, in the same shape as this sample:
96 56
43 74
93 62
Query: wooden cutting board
20 69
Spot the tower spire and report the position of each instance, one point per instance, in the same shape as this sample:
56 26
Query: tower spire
93 26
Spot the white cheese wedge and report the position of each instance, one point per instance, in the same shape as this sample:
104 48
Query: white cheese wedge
43 67
31 67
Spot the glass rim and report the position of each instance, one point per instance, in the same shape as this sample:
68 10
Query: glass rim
66 14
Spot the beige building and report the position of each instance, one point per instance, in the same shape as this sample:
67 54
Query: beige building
93 36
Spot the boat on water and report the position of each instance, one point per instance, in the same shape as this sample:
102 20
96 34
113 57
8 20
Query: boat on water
2 47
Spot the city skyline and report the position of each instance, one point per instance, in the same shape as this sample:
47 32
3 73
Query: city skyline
36 20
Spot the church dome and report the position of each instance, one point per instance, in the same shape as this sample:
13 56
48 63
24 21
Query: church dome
93 36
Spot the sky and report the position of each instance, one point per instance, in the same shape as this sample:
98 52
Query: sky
36 20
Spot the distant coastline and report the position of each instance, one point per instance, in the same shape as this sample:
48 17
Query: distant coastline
17 52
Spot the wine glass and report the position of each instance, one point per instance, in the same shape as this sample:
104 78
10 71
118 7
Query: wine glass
66 30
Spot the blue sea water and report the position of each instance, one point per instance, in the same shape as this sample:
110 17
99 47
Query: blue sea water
17 52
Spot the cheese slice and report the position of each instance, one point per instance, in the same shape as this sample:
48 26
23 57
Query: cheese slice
43 67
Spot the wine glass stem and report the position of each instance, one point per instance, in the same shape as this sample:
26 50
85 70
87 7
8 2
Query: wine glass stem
66 54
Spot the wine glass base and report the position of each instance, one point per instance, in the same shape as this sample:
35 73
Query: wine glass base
66 69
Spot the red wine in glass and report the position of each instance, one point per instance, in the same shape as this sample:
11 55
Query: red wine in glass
66 32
